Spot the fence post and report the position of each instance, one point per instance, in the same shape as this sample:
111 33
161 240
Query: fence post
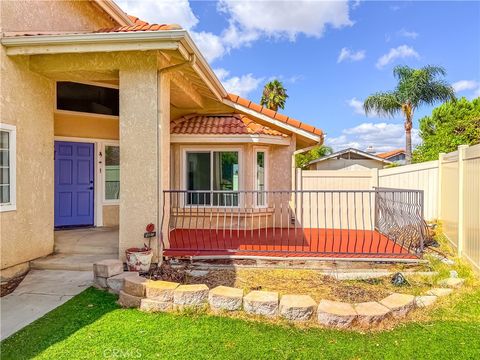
461 195
441 158
374 178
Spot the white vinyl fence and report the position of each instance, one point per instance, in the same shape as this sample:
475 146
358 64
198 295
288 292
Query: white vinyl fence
451 187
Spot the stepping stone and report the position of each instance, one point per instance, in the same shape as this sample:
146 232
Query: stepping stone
107 268
128 301
155 305
425 300
440 292
451 282
115 283
135 285
197 273
371 312
335 313
190 295
400 304
225 298
297 307
161 290
261 303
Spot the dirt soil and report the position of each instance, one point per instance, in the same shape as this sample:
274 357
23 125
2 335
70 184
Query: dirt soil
9 286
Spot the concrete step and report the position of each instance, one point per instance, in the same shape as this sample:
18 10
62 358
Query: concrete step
75 262
87 241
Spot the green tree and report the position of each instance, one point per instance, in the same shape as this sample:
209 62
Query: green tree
302 160
416 87
451 124
274 95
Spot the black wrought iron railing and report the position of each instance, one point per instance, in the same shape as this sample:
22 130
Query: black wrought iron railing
348 223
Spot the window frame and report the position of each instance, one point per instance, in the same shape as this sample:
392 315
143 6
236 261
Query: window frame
256 150
207 149
12 166
106 201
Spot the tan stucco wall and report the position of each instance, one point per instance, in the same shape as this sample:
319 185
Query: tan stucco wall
85 126
56 15
347 164
26 101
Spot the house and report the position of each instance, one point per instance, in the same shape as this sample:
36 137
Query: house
349 159
102 113
396 156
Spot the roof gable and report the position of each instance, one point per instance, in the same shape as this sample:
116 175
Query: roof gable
357 152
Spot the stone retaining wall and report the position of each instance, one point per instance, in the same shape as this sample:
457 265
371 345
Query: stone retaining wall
152 296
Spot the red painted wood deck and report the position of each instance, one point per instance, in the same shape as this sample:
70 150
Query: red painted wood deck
285 243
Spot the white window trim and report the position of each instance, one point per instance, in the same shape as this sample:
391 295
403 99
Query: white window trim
256 150
209 149
12 155
104 165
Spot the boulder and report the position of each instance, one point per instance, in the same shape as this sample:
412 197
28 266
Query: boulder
161 290
128 301
135 285
155 305
115 283
451 282
425 300
335 313
400 304
261 303
107 268
190 295
297 307
225 298
372 312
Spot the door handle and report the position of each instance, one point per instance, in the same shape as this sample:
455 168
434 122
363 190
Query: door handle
90 188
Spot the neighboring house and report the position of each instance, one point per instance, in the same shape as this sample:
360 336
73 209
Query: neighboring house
101 112
396 156
349 159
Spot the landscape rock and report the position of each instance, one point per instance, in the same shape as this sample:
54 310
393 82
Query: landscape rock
335 313
297 307
451 282
107 268
100 282
425 300
128 301
261 303
400 304
440 292
372 312
115 283
161 290
190 295
225 298
134 285
155 305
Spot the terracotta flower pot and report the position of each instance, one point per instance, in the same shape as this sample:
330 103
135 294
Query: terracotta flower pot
139 259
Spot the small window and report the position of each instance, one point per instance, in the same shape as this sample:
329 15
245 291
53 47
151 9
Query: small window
7 167
112 172
87 98
260 177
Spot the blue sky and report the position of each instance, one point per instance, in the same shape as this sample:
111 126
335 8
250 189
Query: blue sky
330 55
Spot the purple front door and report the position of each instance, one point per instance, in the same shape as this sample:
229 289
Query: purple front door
74 182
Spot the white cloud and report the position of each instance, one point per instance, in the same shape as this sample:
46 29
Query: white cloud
400 52
347 54
463 85
408 34
284 19
161 12
381 136
239 85
210 45
356 105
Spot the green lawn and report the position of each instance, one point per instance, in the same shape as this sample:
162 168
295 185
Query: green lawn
92 326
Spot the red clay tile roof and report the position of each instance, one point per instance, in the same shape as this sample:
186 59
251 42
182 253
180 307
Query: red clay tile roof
386 155
140 25
274 115
226 124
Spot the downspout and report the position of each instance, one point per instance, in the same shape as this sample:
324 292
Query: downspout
191 61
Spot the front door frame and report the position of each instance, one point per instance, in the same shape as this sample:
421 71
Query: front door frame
98 181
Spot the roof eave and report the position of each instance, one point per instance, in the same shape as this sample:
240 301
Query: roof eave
356 151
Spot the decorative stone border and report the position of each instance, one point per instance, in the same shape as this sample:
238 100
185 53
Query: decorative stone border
154 296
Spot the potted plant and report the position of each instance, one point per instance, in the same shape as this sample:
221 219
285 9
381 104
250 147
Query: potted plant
139 259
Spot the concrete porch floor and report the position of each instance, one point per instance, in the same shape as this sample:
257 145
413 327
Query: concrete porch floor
78 249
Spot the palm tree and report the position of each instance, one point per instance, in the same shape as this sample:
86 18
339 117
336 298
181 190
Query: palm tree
416 87
274 95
